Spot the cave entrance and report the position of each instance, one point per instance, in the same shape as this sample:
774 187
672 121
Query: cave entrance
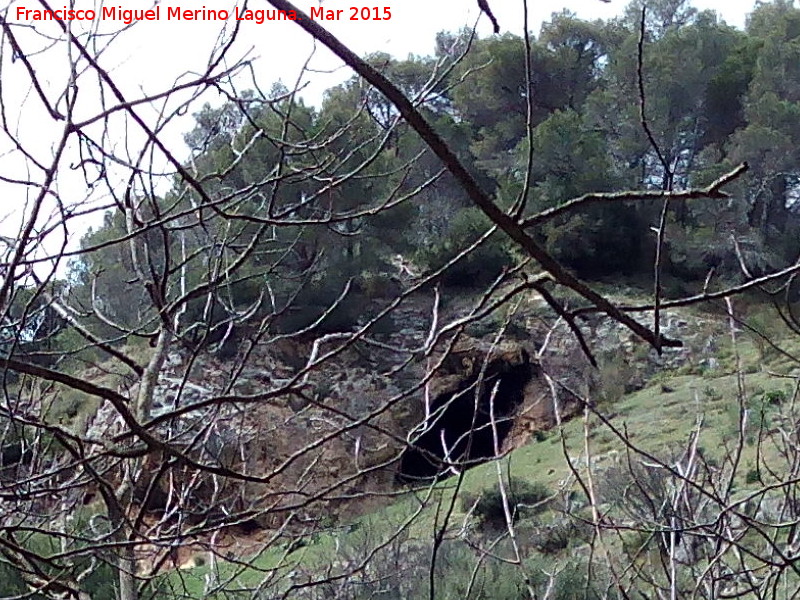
460 429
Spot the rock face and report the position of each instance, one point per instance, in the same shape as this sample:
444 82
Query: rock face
348 432
373 416
378 414
472 401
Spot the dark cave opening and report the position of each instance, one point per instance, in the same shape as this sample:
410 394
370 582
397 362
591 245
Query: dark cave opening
464 426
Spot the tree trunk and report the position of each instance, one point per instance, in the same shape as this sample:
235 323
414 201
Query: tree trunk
126 570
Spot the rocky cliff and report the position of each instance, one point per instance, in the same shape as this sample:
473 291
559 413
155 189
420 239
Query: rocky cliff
382 413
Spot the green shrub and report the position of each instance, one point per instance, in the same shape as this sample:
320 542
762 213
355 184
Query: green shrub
523 497
637 541
316 300
540 435
477 268
379 285
752 476
553 538
99 584
11 583
618 376
775 397
573 583
600 241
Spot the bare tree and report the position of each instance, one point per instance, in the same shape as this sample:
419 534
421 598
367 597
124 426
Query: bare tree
176 400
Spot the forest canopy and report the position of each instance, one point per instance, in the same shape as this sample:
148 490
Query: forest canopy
715 96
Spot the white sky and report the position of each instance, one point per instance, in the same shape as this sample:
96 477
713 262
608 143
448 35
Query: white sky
150 56
153 54
157 52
